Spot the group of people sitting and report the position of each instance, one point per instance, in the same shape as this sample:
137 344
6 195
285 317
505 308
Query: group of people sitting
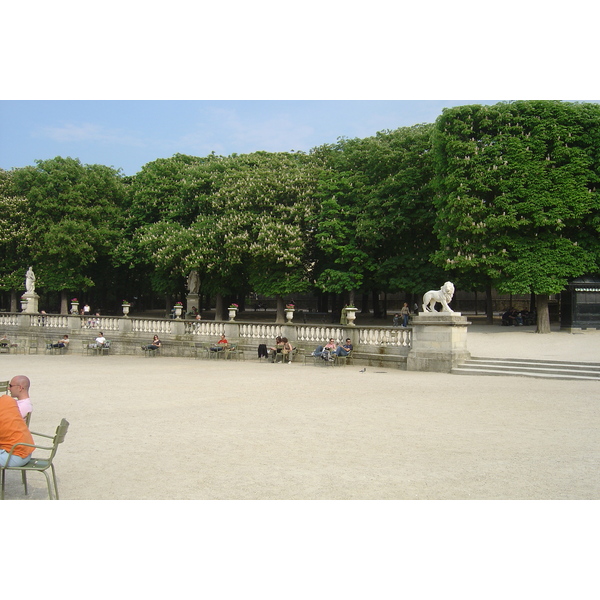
514 317
331 350
14 409
282 347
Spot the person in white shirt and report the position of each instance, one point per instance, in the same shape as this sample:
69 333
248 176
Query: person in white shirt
19 390
100 340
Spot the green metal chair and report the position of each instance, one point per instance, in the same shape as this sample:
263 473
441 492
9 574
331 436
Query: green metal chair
105 348
343 360
4 387
40 464
151 352
234 351
196 350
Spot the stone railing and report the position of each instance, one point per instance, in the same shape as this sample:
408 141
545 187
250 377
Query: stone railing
152 326
127 333
55 321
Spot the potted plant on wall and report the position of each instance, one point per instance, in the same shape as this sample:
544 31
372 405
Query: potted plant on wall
233 308
289 311
350 314
178 308
125 306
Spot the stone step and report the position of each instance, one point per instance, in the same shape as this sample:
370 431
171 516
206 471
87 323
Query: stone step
548 369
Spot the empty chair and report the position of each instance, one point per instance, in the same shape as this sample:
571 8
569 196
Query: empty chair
4 387
40 464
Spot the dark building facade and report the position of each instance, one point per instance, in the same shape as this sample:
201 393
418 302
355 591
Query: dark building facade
580 304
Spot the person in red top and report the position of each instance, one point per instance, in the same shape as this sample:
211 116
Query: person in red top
220 344
13 430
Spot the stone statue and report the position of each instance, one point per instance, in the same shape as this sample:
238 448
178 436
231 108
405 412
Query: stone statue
30 281
443 296
193 282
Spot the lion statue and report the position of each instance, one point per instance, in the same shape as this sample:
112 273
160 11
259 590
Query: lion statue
443 296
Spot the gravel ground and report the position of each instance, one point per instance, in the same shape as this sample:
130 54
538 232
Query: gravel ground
168 428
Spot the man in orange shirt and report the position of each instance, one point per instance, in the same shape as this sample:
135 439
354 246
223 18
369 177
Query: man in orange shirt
13 430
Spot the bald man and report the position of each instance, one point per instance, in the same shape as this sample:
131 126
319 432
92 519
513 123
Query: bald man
19 390
13 430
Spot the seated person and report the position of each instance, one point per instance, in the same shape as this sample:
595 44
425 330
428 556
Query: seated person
99 341
62 343
527 317
221 344
287 350
19 390
13 430
345 349
277 348
325 351
509 317
153 345
514 318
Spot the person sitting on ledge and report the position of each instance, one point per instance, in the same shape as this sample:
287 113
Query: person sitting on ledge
154 345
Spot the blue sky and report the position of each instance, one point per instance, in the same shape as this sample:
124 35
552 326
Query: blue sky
127 134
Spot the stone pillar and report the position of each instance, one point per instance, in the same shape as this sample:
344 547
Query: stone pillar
439 342
74 323
125 325
231 331
32 302
178 328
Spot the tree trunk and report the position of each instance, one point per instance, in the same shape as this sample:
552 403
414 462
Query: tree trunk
219 308
13 301
543 315
364 304
64 305
351 298
489 305
376 305
280 318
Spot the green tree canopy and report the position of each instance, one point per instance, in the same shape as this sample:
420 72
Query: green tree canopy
517 198
75 218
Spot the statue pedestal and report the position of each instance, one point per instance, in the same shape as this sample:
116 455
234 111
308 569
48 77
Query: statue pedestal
439 342
32 302
191 300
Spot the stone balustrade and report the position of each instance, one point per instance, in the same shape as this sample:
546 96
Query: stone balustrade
380 344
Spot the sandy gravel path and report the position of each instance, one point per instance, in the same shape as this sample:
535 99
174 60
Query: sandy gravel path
168 428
